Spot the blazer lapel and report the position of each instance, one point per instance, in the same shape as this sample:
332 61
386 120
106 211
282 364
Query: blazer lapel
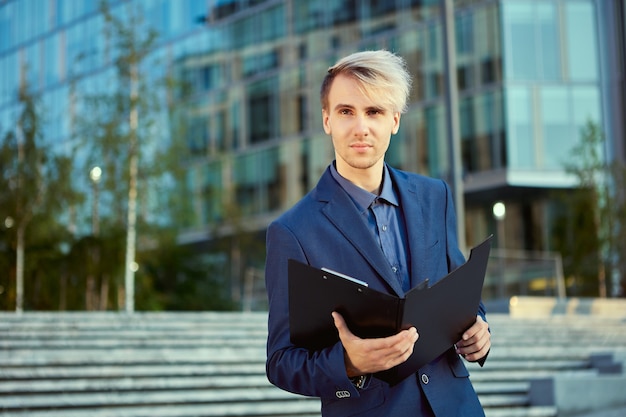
342 213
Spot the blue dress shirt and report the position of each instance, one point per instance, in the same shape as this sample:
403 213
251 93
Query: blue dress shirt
385 219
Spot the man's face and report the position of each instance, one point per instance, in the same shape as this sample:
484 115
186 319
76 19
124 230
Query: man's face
360 127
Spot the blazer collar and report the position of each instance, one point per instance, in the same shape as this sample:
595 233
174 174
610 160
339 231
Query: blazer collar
343 214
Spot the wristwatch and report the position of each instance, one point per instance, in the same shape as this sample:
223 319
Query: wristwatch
359 381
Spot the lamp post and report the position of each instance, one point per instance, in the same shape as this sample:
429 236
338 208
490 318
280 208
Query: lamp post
95 174
499 213
91 298
452 119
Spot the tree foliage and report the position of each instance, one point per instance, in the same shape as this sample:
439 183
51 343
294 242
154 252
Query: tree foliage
35 188
594 239
126 134
69 266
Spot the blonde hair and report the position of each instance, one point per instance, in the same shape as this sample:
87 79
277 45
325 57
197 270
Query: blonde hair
379 73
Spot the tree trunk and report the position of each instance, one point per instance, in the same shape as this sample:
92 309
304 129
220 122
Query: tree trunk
131 234
19 270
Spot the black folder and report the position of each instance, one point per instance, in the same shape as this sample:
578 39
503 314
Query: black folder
440 313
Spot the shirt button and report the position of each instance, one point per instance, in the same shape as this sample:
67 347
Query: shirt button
394 269
425 379
384 228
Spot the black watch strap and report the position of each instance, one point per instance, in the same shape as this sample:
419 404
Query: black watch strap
359 381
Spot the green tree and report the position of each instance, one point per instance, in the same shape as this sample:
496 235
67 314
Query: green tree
119 124
35 185
600 206
126 127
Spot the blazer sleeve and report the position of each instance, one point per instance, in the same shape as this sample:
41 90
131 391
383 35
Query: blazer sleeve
455 257
312 373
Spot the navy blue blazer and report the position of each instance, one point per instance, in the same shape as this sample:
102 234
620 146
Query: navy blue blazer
324 229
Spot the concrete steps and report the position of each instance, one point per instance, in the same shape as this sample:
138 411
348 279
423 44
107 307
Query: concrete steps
213 364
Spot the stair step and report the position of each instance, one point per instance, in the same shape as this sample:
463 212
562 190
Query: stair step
190 364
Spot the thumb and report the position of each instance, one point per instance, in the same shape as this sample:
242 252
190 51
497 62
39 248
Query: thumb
340 323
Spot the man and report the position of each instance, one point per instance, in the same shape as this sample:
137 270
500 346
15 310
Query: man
389 228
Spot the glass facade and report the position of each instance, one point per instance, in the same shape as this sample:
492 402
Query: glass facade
529 77
552 80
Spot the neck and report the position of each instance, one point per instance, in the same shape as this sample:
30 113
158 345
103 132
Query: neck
369 179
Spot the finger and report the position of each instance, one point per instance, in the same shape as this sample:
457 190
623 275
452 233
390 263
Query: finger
474 328
396 349
342 327
477 350
478 354
475 331
399 342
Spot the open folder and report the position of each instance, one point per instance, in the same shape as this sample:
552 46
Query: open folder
440 313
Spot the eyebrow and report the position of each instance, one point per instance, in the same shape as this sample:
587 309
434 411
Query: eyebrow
350 106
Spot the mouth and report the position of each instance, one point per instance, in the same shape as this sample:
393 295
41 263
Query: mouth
360 146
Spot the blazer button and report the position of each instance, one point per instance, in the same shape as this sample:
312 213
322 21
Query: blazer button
425 379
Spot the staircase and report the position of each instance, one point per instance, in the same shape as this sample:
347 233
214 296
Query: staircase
213 364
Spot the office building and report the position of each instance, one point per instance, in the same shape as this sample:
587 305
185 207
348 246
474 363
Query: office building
530 75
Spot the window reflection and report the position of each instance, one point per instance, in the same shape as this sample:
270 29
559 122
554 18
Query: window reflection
520 128
586 106
532 40
482 133
581 41
557 133
548 41
253 81
262 102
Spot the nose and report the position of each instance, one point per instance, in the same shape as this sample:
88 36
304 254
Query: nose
361 127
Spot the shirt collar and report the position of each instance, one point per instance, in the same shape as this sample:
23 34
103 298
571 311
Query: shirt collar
363 198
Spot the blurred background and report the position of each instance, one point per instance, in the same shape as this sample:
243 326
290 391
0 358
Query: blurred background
147 144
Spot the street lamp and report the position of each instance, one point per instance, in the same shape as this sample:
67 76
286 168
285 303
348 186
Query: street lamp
95 174
9 222
499 213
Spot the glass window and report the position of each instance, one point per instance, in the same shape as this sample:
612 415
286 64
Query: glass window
213 193
74 59
256 179
488 48
55 107
437 144
581 41
5 120
262 104
32 65
9 81
197 135
481 133
521 149
6 27
464 33
586 106
342 11
520 41
433 45
36 22
308 15
398 150
273 23
532 41
557 133
52 69
547 20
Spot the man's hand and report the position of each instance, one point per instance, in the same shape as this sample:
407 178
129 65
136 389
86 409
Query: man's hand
367 356
475 342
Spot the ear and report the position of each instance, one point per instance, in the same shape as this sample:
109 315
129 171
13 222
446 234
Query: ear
396 123
325 121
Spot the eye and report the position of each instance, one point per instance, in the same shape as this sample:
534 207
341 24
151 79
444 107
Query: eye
345 112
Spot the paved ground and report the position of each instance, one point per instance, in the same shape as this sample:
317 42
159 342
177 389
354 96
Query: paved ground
615 412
